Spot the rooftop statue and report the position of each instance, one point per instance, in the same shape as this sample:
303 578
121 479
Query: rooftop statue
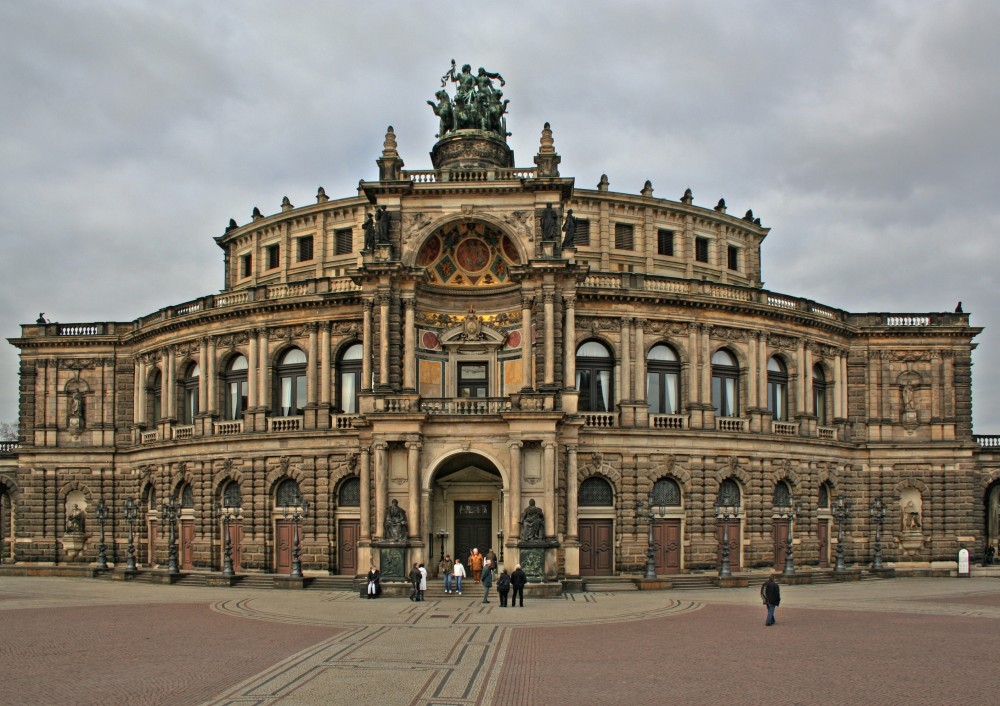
477 105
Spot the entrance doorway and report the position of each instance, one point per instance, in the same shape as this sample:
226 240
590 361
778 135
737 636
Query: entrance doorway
779 530
473 528
597 541
823 537
187 545
667 546
283 541
347 546
734 542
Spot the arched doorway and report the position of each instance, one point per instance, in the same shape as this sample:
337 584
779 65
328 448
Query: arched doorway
992 519
468 509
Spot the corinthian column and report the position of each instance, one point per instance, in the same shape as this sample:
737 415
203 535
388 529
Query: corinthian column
413 486
569 344
409 345
514 509
383 331
366 515
381 486
366 336
549 461
571 493
550 345
526 347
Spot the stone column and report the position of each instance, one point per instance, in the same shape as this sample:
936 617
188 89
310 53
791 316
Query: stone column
514 507
324 365
413 486
762 370
549 464
626 378
381 486
383 331
706 376
252 363
409 344
572 494
312 366
264 359
569 343
752 371
169 385
366 513
640 362
697 362
211 384
550 345
139 409
806 404
800 381
203 377
366 341
526 347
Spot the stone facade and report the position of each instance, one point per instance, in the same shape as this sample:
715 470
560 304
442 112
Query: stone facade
462 357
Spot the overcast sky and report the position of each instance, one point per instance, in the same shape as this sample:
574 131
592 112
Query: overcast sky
864 134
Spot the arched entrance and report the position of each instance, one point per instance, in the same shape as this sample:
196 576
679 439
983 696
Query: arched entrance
992 509
468 508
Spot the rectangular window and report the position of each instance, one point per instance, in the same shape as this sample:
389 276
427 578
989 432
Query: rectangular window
472 380
246 265
665 242
273 257
343 241
701 249
305 248
733 255
582 236
624 235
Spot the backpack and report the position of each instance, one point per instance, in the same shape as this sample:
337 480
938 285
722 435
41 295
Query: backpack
504 583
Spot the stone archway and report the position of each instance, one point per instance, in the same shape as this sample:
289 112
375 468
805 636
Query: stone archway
467 509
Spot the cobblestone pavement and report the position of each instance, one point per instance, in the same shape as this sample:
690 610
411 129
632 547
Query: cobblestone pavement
902 641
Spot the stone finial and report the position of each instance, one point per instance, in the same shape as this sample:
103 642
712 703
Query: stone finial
547 144
321 196
756 222
603 184
749 215
389 146
256 215
286 205
688 197
721 206
390 166
647 188
232 225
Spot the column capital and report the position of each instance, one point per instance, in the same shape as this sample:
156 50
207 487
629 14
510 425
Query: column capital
515 445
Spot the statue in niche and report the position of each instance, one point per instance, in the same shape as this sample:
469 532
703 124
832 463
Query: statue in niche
76 520
569 227
911 517
369 230
395 523
550 223
906 393
532 522
382 225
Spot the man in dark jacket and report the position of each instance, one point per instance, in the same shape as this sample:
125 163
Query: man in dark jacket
770 593
517 581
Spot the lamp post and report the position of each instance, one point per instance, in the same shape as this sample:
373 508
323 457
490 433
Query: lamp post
793 513
131 512
877 512
841 513
500 542
102 549
645 511
299 513
170 511
227 512
726 513
442 534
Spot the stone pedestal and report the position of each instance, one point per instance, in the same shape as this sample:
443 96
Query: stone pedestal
392 561
73 543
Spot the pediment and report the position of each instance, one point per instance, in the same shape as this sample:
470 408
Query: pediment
470 475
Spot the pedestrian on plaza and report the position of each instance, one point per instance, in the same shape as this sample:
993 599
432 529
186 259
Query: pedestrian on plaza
503 587
517 581
374 582
476 564
770 593
445 568
492 556
458 573
487 579
415 582
423 582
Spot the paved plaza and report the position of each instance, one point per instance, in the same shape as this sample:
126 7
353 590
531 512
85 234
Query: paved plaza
900 641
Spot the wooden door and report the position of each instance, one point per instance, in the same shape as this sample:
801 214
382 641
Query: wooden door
151 544
187 545
779 530
283 545
667 546
823 537
347 546
235 539
597 543
734 542
473 528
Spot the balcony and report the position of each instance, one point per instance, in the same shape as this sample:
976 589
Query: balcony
668 421
228 428
784 429
284 423
731 424
600 420
465 406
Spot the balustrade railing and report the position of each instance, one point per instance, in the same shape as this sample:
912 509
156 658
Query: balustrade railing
600 420
668 421
183 432
465 406
343 421
227 428
987 441
784 428
732 424
8 447
149 437
284 423
828 433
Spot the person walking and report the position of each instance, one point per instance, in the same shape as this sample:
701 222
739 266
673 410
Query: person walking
476 564
517 581
374 582
770 593
445 568
415 582
458 572
503 587
423 582
487 579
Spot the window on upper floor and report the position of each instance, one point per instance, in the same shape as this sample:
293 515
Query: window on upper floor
665 242
234 385
287 494
595 492
189 393
473 379
305 248
273 257
701 249
343 241
246 265
582 236
663 375
349 378
782 495
624 236
594 368
666 493
725 384
349 494
777 389
290 383
154 393
819 395
733 258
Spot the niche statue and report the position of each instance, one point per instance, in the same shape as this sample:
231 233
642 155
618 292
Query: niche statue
395 523
532 522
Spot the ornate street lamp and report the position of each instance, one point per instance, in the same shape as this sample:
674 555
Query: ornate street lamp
877 512
442 534
299 513
131 512
227 511
102 549
793 513
725 514
170 511
841 513
500 542
645 511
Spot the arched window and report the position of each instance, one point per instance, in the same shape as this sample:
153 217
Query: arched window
287 494
725 384
596 492
777 389
666 493
594 366
189 393
663 374
155 395
151 498
290 380
231 495
350 493
824 496
349 378
782 494
819 395
185 496
729 494
235 385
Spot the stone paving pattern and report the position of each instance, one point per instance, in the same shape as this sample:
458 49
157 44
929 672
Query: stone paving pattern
902 641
